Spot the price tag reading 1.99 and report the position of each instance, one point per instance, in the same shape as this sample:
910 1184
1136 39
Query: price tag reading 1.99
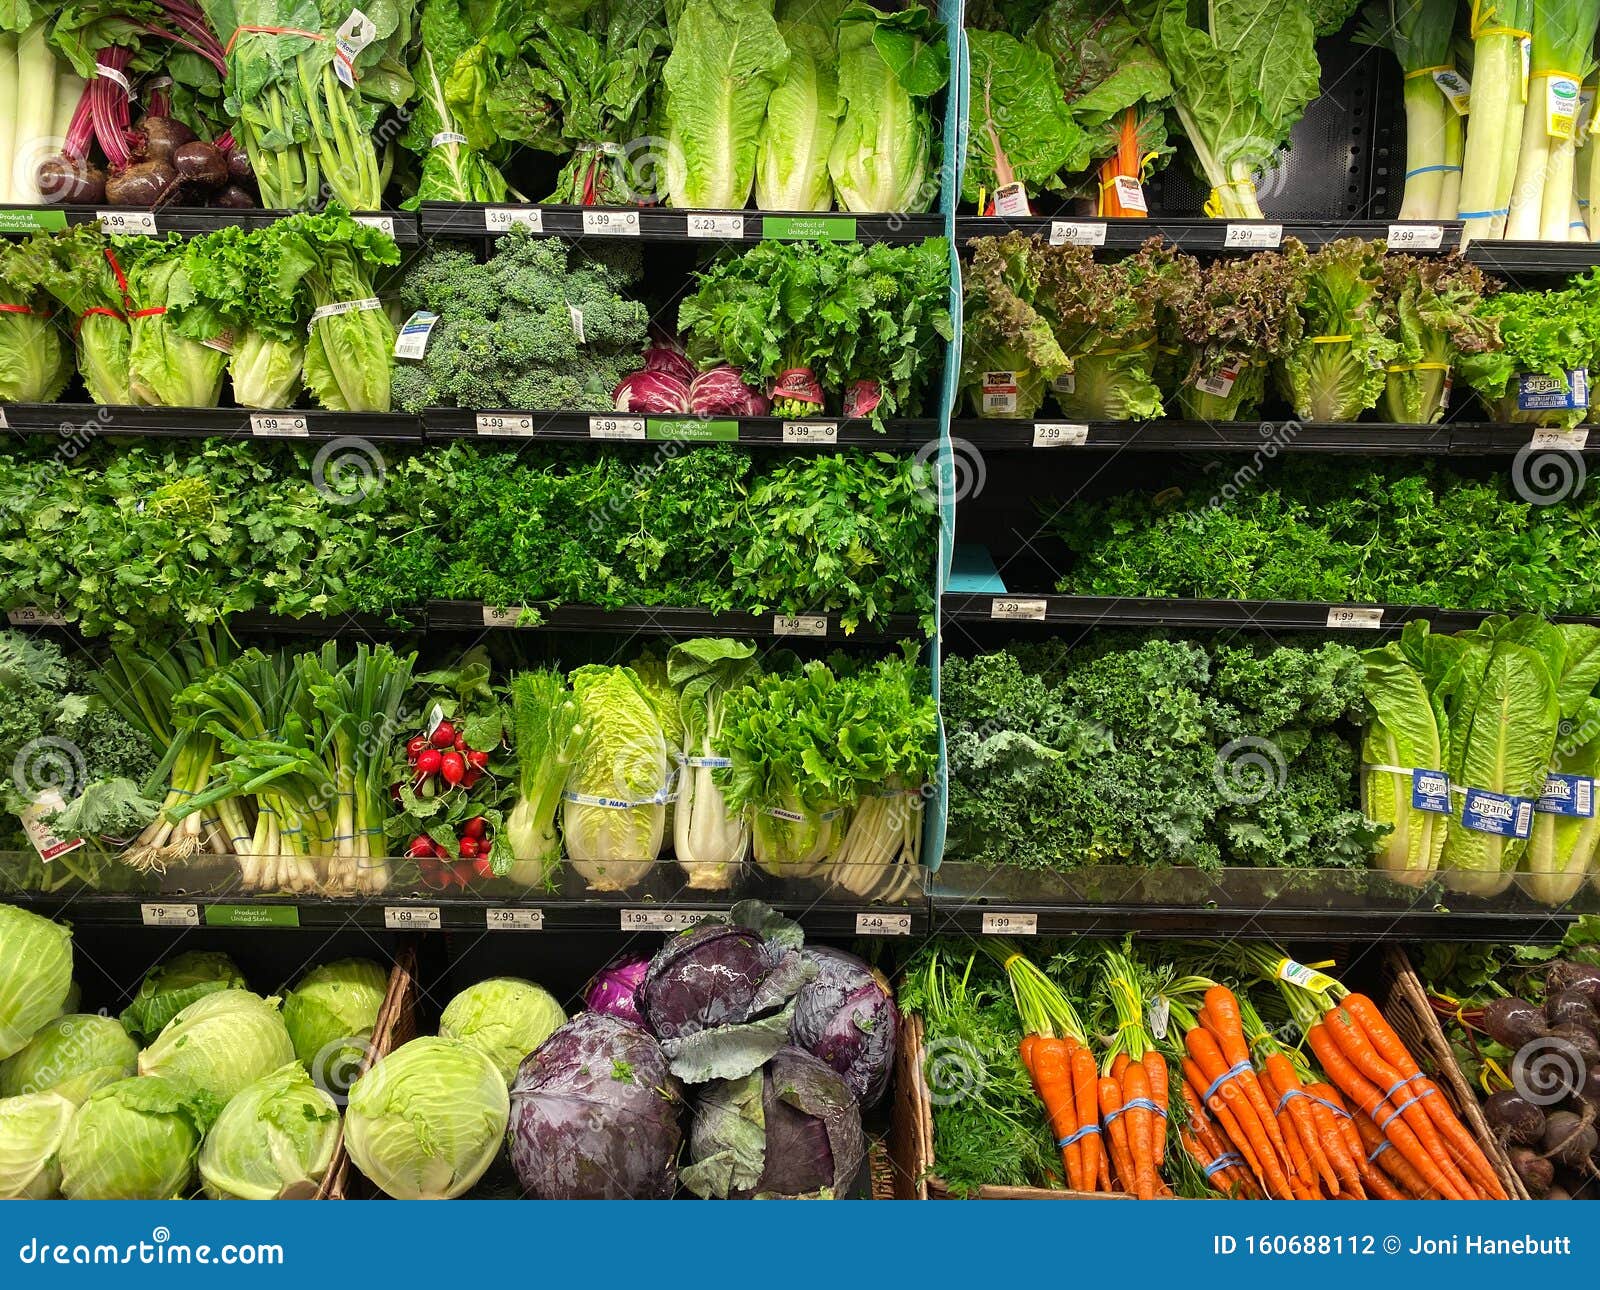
275 425
1356 617
883 924
411 918
1010 924
660 920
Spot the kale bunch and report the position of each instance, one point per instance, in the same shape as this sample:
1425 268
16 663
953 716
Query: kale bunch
540 326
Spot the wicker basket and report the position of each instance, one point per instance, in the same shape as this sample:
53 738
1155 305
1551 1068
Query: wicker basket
396 1024
1405 1003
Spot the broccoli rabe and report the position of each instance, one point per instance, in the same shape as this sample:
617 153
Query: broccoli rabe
538 327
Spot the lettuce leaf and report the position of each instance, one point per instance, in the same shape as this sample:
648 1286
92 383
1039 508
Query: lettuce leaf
1020 130
1336 367
802 119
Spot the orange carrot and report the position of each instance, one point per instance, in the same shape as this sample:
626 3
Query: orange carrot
1116 1133
1370 1102
1224 1010
1390 1048
1136 1089
1382 1159
1303 1179
1155 1069
1325 1114
1085 1088
1054 1083
1231 1093
1291 1096
1407 1101
1118 1065
1193 1085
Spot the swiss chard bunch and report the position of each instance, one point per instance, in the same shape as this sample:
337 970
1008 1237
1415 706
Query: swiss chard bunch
1009 351
1335 368
1434 307
457 161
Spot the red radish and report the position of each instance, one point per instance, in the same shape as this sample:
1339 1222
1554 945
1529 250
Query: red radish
476 827
463 872
444 735
469 847
483 868
421 847
460 744
429 761
471 777
394 796
442 851
477 758
414 748
438 877
451 767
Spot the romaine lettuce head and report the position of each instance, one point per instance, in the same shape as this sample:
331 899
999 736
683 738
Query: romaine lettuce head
278 1134
505 1018
135 1140
171 986
802 118
73 1055
32 1129
221 1043
35 975
427 1120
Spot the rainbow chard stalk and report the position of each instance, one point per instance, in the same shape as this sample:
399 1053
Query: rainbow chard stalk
1563 40
1418 33
1489 166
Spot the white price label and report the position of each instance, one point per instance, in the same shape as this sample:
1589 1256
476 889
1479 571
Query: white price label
1070 233
4 424
1253 237
1415 237
383 223
170 915
1356 617
357 32
1011 201
804 432
1455 87
1010 924
1059 434
616 427
883 924
45 840
412 340
514 920
411 918
716 226
128 223
1565 440
501 617
1130 192
608 223
1007 609
33 616
500 219
799 625
279 425
1160 1015
503 423
660 920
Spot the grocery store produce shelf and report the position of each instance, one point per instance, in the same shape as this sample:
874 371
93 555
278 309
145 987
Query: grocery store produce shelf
1256 904
1269 437
1513 259
187 220
659 620
660 224
606 427
1199 236
1013 609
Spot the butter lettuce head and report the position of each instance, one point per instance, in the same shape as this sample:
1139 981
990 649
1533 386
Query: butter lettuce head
135 1140
32 1129
73 1056
277 1134
35 975
221 1043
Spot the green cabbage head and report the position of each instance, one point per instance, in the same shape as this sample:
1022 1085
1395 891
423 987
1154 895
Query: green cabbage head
32 1128
505 1018
278 1134
330 1015
35 975
220 1043
72 1055
135 1140
426 1121
170 987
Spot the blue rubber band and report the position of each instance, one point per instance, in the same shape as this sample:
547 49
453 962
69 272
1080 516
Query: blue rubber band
1424 170
1384 1126
1396 1087
1143 1103
1227 1160
1322 1101
1233 1072
1379 1150
1505 210
1081 1133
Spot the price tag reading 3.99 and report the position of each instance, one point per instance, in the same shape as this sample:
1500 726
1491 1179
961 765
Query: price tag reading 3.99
611 223
503 423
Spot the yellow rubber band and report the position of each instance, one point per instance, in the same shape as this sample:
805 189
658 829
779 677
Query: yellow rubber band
1213 206
1331 340
1418 367
1121 353
1516 33
1429 71
1010 960
1566 76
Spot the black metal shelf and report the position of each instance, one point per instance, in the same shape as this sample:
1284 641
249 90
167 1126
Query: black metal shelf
187 220
1369 438
1024 609
661 224
673 621
819 432
64 420
1542 259
1205 236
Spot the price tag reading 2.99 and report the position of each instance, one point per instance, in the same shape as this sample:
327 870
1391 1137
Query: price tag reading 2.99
514 920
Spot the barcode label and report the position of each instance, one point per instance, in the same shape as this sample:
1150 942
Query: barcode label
514 920
616 427
1253 236
411 918
1068 233
503 423
498 219
170 915
799 625
383 223
278 425
604 223
716 226
1059 434
1357 617
1006 609
1010 924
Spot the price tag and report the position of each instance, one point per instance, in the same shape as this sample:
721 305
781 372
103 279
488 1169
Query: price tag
1011 201
1356 617
44 839
883 924
616 427
4 424
33 616
1069 233
503 423
1159 1015
170 915
660 920
354 35
1566 440
716 226
501 617
1010 924
607 223
279 425
412 340
501 219
128 223
411 918
1008 610
1253 237
799 625
1059 434
1415 237
383 223
514 920
811 432
1455 87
